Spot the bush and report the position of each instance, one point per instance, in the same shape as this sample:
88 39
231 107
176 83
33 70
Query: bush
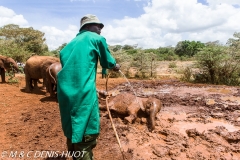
187 74
218 65
172 65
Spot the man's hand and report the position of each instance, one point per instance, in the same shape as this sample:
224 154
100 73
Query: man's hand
116 68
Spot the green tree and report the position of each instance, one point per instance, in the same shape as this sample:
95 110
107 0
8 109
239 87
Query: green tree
166 53
145 63
116 48
218 65
11 49
188 48
27 38
56 52
123 59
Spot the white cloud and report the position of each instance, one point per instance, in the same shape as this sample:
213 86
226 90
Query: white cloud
217 2
8 16
167 22
56 37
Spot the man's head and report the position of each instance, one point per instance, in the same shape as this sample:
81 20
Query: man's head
91 23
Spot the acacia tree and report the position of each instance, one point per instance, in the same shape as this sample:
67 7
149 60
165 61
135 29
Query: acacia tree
27 39
145 63
123 59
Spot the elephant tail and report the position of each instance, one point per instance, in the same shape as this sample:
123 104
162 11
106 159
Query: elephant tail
49 70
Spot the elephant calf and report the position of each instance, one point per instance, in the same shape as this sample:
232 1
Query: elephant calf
35 69
51 77
129 105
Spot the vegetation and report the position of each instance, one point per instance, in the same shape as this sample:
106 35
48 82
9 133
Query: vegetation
21 43
188 48
172 65
220 64
215 63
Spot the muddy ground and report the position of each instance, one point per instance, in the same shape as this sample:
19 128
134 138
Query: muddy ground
197 122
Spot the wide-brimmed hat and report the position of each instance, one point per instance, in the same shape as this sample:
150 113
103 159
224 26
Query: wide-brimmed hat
89 18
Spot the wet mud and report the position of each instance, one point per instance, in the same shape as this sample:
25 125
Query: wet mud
196 122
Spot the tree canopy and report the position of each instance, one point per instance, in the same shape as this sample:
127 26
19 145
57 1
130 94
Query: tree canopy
27 40
188 48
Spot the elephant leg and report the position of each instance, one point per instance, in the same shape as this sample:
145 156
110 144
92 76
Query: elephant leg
44 86
155 108
31 84
130 118
35 86
28 82
2 71
152 119
51 90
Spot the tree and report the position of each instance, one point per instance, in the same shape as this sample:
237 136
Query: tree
218 65
56 52
11 49
127 47
188 48
116 48
166 53
27 38
145 63
123 59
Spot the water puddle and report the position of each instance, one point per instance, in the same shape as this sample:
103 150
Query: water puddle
165 115
200 127
220 90
150 91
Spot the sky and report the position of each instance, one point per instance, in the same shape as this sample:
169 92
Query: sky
145 23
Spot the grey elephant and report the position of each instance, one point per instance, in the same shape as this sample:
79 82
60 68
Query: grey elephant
129 105
51 77
35 69
7 64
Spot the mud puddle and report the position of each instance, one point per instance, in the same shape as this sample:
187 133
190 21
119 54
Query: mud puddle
196 122
204 127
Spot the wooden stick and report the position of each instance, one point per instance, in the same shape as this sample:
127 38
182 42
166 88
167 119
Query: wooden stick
113 126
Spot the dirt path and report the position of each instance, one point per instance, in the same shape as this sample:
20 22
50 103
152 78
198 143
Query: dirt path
197 122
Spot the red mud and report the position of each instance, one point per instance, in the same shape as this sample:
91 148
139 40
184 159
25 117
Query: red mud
197 122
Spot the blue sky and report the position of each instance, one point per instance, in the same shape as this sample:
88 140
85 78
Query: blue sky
72 10
148 23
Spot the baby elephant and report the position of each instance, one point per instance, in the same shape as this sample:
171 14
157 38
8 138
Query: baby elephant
152 107
51 77
129 105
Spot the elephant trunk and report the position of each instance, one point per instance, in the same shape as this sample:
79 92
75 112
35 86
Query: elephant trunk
15 67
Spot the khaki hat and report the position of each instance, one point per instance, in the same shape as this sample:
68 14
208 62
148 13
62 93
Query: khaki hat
89 18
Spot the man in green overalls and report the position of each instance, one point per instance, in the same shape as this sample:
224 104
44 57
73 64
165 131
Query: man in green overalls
76 87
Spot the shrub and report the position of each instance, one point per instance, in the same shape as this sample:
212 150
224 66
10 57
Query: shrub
218 65
172 65
187 74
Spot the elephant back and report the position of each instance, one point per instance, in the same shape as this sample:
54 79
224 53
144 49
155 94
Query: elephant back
36 64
